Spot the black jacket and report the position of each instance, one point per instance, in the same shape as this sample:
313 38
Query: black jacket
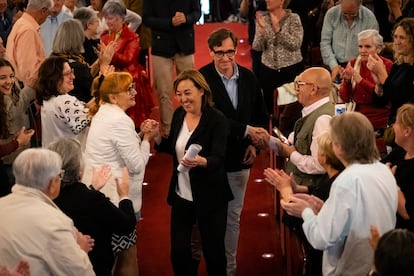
93 214
209 185
250 111
168 40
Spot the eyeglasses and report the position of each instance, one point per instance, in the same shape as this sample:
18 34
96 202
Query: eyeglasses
62 173
70 73
228 53
298 84
350 15
132 89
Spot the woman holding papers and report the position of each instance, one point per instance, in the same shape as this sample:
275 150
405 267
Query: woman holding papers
198 194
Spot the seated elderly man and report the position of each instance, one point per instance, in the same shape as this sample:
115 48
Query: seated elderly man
32 227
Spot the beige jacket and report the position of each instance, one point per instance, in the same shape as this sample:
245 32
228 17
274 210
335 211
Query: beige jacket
34 229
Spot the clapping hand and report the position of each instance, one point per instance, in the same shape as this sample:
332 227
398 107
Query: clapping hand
122 184
260 20
22 269
279 179
85 242
100 176
23 136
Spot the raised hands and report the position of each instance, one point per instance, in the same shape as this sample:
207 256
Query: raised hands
122 185
21 269
349 73
23 136
296 203
377 68
260 19
283 182
100 176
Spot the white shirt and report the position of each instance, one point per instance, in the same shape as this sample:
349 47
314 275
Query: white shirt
63 116
309 163
361 196
184 184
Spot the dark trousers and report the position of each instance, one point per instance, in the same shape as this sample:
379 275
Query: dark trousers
271 79
256 62
212 228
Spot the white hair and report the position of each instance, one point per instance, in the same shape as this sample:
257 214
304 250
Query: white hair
35 167
39 4
374 34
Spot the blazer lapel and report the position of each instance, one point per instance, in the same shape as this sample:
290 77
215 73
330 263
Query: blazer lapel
199 130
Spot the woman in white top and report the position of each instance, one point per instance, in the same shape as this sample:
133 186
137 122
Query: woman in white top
62 115
112 140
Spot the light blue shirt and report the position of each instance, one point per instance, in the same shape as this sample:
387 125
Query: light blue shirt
339 42
49 27
231 85
361 196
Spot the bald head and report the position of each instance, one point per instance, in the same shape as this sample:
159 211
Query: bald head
321 77
314 84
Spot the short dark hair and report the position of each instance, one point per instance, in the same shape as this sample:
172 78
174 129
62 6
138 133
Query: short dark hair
394 254
216 38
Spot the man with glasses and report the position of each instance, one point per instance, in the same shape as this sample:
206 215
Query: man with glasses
313 88
24 45
33 228
237 94
339 36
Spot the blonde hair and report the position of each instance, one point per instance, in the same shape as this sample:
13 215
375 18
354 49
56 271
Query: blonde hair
405 115
325 147
103 86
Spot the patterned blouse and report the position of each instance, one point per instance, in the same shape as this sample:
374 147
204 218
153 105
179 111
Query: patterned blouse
281 49
63 116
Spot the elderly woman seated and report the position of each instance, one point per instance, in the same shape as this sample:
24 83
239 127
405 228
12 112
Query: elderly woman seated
93 213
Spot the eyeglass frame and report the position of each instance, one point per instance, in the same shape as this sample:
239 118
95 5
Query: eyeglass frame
297 84
229 53
61 173
131 89
72 72
350 15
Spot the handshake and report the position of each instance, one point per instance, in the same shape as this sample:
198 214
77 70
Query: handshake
263 140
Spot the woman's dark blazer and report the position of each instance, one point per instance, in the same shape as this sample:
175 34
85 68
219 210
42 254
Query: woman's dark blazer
94 214
209 185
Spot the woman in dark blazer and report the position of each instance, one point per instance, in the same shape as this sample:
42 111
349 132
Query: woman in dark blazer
92 213
200 195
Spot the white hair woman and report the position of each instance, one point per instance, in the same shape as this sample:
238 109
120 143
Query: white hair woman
91 211
359 85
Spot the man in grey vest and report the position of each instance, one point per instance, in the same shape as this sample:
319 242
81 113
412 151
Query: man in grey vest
313 88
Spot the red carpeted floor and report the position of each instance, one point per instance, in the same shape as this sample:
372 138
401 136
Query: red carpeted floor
259 236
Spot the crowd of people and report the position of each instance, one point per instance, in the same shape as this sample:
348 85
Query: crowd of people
76 132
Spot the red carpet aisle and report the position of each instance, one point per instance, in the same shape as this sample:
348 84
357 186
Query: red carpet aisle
258 227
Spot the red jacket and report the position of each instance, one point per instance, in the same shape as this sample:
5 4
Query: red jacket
362 95
125 59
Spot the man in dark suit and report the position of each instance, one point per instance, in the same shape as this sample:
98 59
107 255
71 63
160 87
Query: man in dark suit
237 94
172 25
